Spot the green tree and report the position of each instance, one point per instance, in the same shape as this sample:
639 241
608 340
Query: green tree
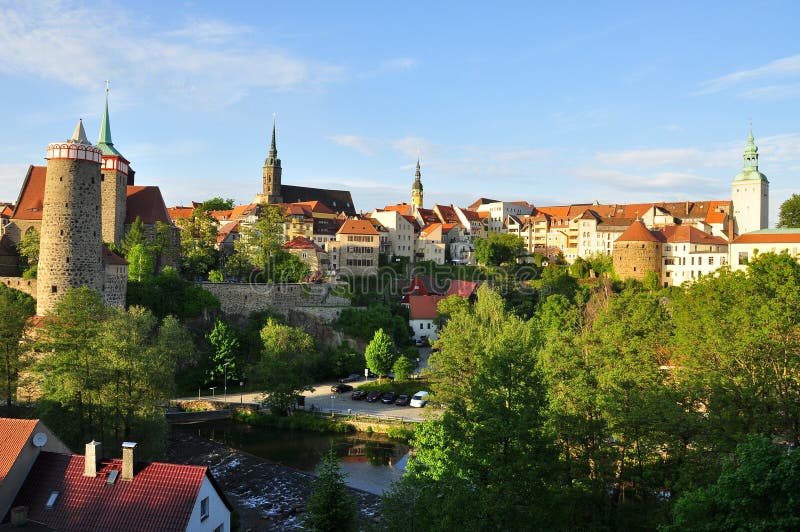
789 215
380 355
162 244
580 268
140 263
757 490
216 276
285 368
134 236
237 266
498 248
15 309
226 346
218 204
28 248
167 293
403 367
198 241
331 507
261 242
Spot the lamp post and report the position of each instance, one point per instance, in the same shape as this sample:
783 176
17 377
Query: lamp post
212 388
241 390
225 378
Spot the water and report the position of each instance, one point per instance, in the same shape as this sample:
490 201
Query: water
372 462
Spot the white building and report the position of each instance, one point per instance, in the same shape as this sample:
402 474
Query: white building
745 248
750 193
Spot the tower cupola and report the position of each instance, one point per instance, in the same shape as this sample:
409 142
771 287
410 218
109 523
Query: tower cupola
750 192
416 188
750 168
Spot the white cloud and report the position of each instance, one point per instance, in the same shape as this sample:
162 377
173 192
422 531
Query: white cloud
202 61
365 145
759 82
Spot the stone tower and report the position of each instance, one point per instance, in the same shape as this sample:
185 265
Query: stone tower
271 175
637 251
750 193
70 253
416 188
115 171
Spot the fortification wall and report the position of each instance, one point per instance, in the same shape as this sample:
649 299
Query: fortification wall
245 298
633 260
23 285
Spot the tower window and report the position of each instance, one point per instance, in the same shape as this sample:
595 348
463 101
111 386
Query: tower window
53 289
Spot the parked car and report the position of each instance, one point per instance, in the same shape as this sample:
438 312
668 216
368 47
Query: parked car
341 388
402 400
373 396
358 395
419 400
388 398
353 377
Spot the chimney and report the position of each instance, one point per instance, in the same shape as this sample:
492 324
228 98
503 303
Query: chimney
127 459
19 516
91 462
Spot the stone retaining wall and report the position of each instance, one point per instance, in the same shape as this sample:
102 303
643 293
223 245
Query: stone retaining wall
23 285
245 298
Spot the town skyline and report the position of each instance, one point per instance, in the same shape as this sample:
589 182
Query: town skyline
523 113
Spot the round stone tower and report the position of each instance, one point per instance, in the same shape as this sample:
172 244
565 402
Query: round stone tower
637 251
70 252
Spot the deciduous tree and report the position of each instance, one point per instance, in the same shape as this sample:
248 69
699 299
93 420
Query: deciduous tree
789 215
286 364
380 354
15 309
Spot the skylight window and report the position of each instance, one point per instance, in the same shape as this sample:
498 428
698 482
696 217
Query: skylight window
51 501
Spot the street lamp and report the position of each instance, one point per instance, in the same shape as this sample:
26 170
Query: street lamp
225 373
241 389
212 388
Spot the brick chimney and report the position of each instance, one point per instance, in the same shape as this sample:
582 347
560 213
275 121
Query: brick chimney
91 462
19 516
127 459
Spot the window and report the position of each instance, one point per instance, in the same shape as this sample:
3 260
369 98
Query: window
204 509
710 261
421 326
220 528
742 257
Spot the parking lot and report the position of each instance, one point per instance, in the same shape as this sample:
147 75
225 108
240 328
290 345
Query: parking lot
324 400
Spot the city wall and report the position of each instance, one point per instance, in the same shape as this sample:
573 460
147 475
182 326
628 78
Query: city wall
243 298
23 285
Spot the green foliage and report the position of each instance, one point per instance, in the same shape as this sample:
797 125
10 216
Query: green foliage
225 341
380 354
28 249
651 281
134 237
217 204
403 367
498 248
331 507
362 323
286 365
15 309
261 242
580 268
198 238
237 267
140 263
757 490
299 420
167 293
601 264
789 215
216 276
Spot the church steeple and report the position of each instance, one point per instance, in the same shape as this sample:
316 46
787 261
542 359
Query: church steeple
416 188
117 175
271 175
104 141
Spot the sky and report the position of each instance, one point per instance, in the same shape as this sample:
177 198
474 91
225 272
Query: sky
548 102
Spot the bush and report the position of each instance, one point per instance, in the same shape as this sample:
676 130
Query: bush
299 421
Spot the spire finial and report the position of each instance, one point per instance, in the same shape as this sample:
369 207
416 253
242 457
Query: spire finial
107 82
273 150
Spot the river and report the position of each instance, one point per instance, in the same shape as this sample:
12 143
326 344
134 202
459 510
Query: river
370 461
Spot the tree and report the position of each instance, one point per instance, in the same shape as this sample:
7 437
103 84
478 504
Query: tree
216 276
198 240
757 490
140 263
498 248
15 309
403 367
330 508
28 248
487 461
134 236
261 241
287 359
218 204
226 345
380 353
789 215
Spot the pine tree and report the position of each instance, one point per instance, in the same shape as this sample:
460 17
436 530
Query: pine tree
330 507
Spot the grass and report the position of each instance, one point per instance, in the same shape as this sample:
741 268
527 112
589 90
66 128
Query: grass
299 421
409 387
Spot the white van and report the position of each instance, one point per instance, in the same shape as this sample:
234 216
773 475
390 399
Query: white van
419 400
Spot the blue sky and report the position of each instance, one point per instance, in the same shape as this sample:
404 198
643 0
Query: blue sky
552 104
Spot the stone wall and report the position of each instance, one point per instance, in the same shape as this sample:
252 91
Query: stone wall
114 204
633 260
115 285
23 285
245 298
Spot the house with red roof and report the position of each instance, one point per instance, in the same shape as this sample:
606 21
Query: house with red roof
58 490
746 247
311 254
688 253
422 314
355 250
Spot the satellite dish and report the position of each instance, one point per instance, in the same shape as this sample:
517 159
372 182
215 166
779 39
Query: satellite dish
39 439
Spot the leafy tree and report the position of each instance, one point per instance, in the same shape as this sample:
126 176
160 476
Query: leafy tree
140 263
28 248
380 353
757 490
15 309
198 240
134 236
362 323
403 367
330 508
289 268
162 243
167 293
218 204
601 264
789 215
226 346
285 368
580 268
237 266
498 248
261 242
216 276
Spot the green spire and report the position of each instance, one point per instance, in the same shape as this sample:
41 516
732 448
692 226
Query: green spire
104 142
750 167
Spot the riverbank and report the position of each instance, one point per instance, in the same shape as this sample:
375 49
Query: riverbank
267 496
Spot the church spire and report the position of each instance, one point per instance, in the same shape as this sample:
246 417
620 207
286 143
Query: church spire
104 141
79 135
416 188
273 150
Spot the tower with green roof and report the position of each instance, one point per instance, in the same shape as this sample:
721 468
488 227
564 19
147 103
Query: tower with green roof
750 193
116 172
416 188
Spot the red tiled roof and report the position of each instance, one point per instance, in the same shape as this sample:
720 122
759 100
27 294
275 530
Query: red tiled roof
179 212
413 221
6 211
480 201
301 242
221 215
242 210
31 195
14 434
317 207
112 259
471 215
461 288
147 203
403 208
423 307
428 216
160 496
446 228
357 227
430 228
690 234
768 238
446 214
638 232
